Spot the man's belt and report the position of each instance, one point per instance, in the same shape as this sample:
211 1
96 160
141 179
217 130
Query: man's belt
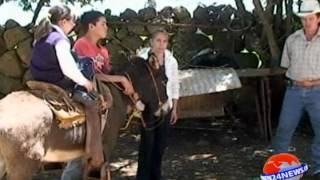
305 83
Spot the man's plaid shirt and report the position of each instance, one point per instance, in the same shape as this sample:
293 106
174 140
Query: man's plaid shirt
302 57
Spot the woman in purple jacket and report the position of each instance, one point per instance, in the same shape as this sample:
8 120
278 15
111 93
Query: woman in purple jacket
53 62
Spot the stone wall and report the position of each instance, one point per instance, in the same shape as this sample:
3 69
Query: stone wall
221 28
15 56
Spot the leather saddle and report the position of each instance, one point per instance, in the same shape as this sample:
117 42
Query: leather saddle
68 113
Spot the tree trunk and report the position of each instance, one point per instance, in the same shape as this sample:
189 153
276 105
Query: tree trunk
274 49
240 6
269 9
289 19
37 10
278 18
299 5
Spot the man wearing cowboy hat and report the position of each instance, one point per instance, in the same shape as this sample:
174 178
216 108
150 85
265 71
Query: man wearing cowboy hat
301 58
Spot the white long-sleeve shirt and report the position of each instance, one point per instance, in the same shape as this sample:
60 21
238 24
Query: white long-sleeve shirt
66 61
171 70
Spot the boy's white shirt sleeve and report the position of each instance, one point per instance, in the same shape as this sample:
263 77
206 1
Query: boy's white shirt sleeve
67 63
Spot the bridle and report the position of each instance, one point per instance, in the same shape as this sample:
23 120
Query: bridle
138 113
154 83
134 98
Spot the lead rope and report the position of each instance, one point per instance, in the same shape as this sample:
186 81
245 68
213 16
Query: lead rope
136 113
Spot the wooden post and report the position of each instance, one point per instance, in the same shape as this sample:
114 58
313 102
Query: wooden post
289 19
274 48
240 6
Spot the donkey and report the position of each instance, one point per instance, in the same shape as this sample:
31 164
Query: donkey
22 114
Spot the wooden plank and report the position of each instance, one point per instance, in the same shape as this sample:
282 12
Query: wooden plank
207 105
260 72
181 25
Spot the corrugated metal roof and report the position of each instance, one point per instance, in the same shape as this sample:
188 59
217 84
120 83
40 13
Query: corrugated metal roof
204 81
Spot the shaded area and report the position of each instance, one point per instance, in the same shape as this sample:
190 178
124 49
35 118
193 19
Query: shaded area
205 149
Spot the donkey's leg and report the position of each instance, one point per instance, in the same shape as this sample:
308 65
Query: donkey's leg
18 167
2 167
105 172
116 117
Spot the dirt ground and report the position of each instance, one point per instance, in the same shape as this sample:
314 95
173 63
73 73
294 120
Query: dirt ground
204 150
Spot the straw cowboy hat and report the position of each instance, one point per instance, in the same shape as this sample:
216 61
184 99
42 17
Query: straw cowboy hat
308 7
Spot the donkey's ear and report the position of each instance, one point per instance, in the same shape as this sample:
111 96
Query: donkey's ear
132 59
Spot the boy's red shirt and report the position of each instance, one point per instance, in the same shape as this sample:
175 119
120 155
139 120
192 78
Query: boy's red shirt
100 54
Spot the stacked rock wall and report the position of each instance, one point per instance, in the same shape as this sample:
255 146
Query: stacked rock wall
220 28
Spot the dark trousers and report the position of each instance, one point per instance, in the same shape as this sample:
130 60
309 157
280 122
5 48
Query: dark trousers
152 146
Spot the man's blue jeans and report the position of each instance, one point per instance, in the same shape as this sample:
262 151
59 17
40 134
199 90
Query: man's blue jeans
298 100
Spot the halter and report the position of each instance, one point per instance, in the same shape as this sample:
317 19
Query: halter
135 98
154 83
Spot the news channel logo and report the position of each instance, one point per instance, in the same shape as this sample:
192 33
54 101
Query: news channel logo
283 166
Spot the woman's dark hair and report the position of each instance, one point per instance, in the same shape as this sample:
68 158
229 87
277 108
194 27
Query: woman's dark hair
89 17
55 14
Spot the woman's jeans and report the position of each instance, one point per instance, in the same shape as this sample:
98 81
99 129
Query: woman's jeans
298 100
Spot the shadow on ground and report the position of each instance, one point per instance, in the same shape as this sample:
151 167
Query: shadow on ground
202 150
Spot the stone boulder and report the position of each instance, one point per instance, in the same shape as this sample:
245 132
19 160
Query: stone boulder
132 42
182 15
24 51
128 15
111 33
201 15
122 33
147 14
10 65
2 29
11 24
9 84
3 47
137 29
14 36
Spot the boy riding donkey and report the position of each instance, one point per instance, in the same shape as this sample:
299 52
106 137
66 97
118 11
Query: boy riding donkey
93 25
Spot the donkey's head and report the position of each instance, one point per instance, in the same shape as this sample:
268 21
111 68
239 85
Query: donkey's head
149 81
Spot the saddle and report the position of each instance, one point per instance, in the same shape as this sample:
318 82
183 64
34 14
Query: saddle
67 112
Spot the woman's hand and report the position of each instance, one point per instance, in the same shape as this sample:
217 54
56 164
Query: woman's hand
174 117
89 86
174 114
127 85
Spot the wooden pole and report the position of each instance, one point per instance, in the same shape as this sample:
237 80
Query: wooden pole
37 10
267 26
182 25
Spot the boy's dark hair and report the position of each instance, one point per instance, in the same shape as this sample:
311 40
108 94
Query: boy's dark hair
89 17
